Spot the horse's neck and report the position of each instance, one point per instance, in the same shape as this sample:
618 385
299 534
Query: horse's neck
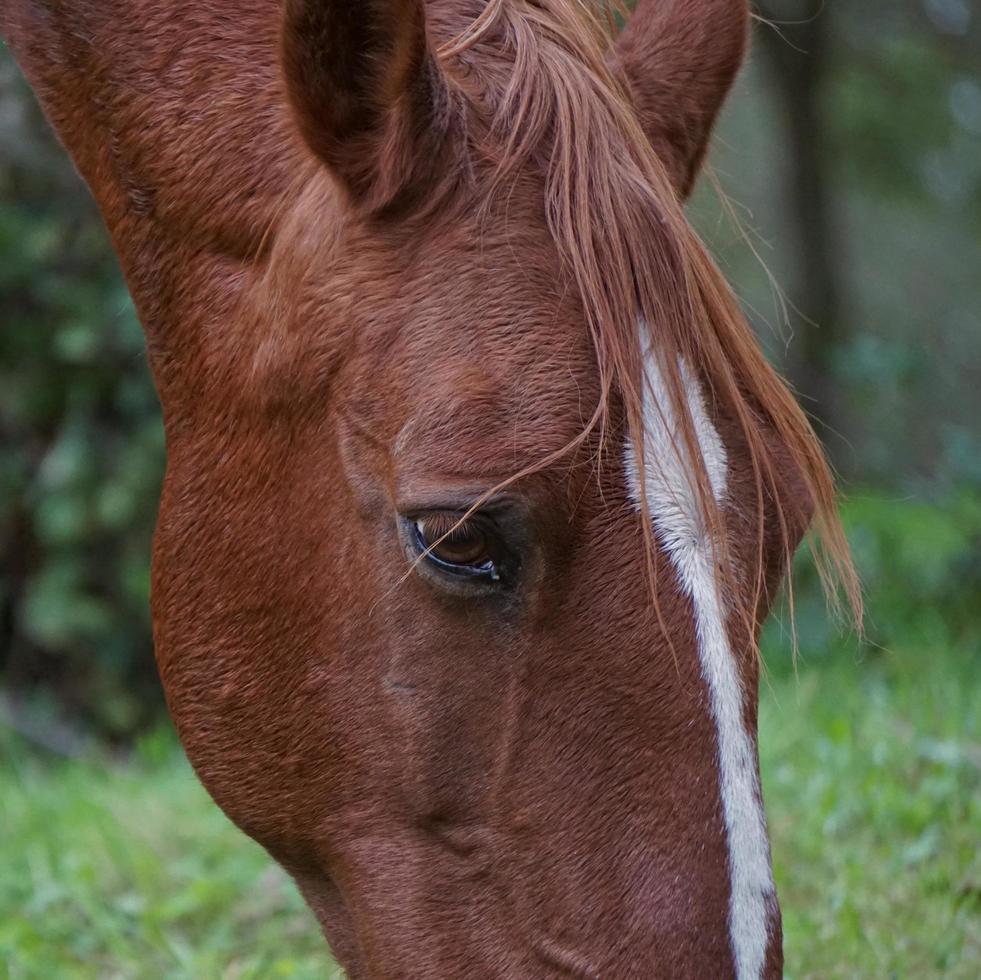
172 114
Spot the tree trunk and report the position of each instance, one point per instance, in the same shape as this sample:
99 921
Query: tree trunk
796 54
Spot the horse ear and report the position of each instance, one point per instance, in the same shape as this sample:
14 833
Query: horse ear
364 90
679 58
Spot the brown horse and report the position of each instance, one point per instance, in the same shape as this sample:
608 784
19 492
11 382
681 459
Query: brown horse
479 488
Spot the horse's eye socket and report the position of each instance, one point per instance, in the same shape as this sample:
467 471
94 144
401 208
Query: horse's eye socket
463 547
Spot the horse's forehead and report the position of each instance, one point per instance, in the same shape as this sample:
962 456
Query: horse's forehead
474 418
470 353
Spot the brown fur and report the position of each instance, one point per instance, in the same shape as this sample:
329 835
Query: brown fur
402 274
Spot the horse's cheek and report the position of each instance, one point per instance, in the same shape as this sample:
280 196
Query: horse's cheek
250 642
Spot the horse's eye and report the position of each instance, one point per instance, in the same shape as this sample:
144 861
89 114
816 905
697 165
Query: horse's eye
460 546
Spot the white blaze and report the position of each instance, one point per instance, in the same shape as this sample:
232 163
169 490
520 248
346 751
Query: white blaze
671 489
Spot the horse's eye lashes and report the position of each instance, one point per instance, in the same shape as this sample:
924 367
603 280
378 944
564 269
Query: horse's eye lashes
460 545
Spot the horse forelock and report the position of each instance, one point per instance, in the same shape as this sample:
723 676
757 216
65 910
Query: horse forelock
543 83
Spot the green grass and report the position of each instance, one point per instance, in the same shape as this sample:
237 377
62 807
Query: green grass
872 777
872 771
134 873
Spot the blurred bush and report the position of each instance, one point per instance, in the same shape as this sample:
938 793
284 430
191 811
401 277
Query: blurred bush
82 444
920 565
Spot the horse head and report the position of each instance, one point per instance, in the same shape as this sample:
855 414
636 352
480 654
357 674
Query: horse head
478 486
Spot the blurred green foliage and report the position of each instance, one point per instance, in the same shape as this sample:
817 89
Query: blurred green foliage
920 566
82 445
896 149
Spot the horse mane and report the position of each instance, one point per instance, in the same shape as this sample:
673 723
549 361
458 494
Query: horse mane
557 102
